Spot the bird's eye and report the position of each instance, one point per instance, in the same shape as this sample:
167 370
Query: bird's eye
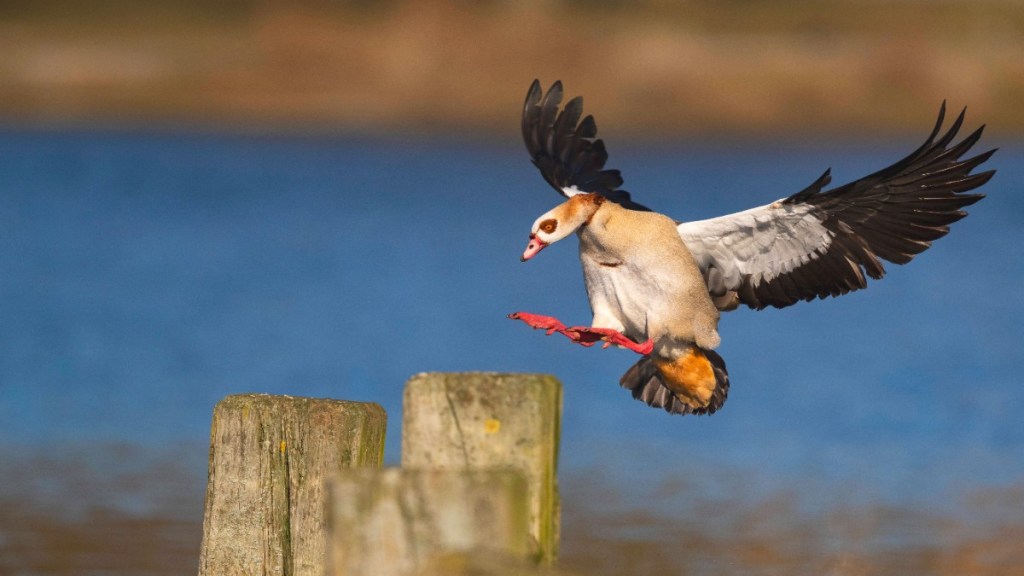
549 226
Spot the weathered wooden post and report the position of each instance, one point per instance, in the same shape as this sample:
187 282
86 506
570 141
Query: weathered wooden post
269 459
480 421
398 522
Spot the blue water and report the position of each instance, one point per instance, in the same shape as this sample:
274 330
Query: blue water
144 277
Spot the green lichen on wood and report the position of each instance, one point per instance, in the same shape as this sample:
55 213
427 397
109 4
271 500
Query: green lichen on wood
481 420
402 522
269 459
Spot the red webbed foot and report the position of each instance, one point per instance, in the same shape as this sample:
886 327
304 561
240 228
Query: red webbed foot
589 335
583 335
538 322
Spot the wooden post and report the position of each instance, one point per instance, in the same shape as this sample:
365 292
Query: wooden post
399 522
270 457
478 421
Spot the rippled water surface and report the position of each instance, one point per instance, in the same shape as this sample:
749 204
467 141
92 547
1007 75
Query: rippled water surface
144 277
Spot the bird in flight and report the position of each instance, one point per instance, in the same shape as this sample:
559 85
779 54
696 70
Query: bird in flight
656 286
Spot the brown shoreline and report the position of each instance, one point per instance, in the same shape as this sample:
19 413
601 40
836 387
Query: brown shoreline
769 538
133 510
649 68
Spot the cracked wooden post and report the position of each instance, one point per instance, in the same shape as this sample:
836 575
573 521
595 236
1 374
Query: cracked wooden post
399 522
270 457
478 421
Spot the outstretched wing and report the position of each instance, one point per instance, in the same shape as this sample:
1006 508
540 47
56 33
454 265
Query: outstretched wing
815 244
566 150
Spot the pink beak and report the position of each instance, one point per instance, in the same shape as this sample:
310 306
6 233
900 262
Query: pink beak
535 246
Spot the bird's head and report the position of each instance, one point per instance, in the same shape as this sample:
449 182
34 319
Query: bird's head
561 221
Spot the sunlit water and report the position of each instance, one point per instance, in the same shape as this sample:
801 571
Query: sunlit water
145 277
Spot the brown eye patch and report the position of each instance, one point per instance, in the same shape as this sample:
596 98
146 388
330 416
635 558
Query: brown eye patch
548 226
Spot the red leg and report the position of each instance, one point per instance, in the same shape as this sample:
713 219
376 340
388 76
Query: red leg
551 325
583 335
538 322
610 337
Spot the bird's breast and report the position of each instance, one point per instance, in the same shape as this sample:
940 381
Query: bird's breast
644 276
616 287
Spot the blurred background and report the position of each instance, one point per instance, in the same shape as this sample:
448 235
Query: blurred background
322 198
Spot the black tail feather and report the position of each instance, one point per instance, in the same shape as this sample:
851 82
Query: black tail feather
645 382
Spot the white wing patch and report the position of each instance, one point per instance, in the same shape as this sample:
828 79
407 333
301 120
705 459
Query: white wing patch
571 191
761 243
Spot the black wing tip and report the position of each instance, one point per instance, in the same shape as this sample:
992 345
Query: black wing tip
977 181
891 215
565 148
984 156
535 86
534 93
555 92
933 154
812 189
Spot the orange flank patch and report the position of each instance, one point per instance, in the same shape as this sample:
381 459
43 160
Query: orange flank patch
690 377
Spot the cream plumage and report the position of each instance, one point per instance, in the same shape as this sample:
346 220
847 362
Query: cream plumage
656 286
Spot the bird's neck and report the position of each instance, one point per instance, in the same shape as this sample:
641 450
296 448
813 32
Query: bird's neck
598 233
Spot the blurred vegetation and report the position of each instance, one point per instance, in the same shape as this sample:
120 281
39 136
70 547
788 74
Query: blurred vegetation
697 67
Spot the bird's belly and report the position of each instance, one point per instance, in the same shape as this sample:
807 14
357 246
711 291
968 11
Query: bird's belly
618 291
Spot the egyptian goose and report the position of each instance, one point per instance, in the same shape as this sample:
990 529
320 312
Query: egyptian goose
656 286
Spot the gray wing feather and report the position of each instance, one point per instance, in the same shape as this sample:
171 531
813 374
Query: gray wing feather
818 243
754 246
